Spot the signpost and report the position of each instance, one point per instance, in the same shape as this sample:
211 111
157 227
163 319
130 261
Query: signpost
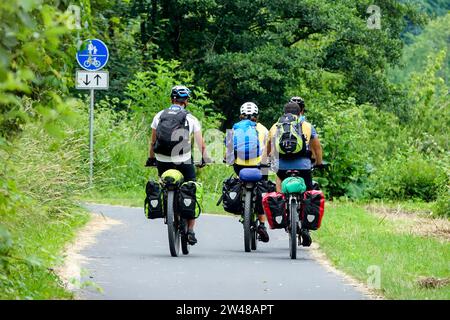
92 57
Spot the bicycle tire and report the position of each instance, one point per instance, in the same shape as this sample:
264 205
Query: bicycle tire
184 240
293 229
172 226
247 222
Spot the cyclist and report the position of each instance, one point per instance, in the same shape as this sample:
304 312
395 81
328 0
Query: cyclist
170 146
294 112
255 150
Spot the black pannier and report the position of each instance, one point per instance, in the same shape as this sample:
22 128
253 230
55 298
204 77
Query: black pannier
263 187
153 206
189 200
232 196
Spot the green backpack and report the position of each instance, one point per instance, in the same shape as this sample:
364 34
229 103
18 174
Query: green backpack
293 185
291 142
190 200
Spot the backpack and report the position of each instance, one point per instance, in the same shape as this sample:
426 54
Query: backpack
153 205
232 196
312 209
274 205
190 197
246 140
290 140
262 188
172 131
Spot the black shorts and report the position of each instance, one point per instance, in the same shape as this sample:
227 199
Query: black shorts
187 169
305 174
265 171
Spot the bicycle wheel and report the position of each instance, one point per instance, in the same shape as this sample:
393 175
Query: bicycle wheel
172 226
293 228
247 221
87 63
184 240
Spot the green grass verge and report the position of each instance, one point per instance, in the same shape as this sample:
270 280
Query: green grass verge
35 246
355 240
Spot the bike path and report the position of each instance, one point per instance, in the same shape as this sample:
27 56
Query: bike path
131 260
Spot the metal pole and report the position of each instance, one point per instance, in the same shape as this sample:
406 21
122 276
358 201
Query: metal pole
91 139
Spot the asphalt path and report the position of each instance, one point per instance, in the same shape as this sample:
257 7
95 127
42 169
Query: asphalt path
131 260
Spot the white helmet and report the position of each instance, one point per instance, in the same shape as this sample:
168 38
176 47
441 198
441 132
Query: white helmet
249 108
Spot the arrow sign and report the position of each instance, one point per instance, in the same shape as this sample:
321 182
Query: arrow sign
88 80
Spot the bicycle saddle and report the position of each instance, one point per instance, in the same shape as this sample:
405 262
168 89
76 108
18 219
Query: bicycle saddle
250 175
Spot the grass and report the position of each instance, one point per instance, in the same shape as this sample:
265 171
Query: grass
38 240
355 240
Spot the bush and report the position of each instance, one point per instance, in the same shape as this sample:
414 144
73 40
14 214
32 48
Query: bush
409 176
442 206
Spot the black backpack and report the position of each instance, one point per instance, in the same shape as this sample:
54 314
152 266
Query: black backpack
172 130
262 188
153 205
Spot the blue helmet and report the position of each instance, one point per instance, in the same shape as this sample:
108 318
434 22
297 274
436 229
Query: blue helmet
180 93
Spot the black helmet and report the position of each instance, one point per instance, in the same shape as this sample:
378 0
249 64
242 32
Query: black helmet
299 101
180 93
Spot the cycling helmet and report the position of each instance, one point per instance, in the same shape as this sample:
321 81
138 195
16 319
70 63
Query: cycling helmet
299 101
249 109
180 93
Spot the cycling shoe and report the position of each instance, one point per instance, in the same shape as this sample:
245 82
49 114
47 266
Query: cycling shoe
191 238
262 231
306 238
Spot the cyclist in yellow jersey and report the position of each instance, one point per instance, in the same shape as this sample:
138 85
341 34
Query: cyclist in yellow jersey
249 112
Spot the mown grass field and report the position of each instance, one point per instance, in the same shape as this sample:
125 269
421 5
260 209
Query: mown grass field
354 240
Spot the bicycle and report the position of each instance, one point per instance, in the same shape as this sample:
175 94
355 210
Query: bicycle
294 202
177 226
92 61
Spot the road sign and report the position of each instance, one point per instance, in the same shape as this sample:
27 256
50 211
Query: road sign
87 80
93 55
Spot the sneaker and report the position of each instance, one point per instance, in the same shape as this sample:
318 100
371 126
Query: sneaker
262 231
191 237
306 238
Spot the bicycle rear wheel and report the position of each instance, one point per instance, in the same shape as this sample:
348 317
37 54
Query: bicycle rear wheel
254 235
247 221
293 228
172 226
184 240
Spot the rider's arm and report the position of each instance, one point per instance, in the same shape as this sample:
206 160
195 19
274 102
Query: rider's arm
152 143
198 137
316 148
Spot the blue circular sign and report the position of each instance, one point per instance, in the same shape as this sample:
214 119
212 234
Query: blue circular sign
93 55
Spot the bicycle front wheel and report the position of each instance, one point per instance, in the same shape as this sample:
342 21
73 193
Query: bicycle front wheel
247 221
293 228
172 226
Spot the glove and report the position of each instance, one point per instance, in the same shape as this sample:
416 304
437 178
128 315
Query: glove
151 162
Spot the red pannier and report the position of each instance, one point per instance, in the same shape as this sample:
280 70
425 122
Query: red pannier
274 204
312 209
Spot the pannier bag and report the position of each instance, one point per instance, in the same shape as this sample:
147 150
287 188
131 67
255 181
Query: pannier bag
232 196
312 209
263 187
274 205
153 206
293 185
190 197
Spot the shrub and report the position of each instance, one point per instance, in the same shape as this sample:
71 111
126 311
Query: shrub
408 176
